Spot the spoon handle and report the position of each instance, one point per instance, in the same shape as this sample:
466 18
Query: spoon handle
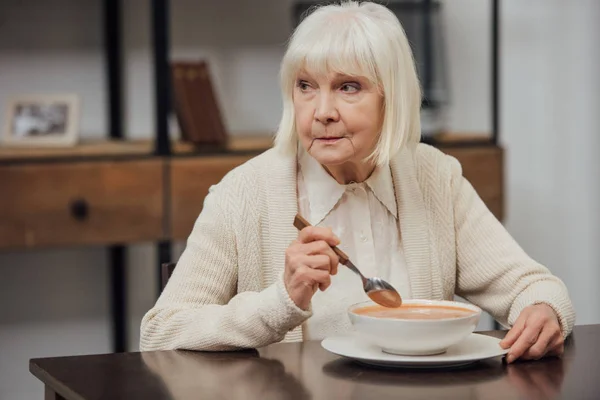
300 223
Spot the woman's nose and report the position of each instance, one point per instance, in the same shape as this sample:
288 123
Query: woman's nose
326 111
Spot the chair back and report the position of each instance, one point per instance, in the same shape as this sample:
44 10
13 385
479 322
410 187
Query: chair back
165 273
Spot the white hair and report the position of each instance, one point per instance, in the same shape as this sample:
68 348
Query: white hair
356 39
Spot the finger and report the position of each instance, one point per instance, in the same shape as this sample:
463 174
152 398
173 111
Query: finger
541 346
514 333
557 351
322 247
527 339
310 277
314 233
557 346
318 278
302 278
302 253
318 261
325 285
334 269
321 278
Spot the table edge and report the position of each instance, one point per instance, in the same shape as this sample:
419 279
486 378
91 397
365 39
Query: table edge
47 379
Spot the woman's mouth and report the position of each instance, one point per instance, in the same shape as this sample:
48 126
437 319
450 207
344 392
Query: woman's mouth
329 140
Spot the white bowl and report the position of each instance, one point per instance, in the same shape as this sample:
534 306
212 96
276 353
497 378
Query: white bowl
412 337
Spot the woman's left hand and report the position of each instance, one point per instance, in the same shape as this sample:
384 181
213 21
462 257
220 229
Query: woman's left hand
535 334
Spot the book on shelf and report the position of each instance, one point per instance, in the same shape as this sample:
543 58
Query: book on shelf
196 105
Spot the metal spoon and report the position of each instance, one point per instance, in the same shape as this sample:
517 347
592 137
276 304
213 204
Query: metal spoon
377 289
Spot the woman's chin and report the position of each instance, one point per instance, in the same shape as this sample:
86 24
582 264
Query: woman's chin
331 155
330 158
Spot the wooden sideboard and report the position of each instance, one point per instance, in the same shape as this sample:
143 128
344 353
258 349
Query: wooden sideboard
118 193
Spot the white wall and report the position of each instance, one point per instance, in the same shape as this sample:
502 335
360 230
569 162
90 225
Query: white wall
58 299
551 129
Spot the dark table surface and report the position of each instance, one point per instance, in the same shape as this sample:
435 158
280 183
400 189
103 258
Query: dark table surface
307 371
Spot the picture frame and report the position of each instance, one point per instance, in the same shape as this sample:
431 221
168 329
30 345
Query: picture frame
42 120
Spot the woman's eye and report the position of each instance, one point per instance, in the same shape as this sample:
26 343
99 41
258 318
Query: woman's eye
350 87
303 85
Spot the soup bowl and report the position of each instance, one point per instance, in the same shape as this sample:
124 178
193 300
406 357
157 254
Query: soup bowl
417 328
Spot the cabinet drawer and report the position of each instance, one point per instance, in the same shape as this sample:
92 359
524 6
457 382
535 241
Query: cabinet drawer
190 181
483 167
74 203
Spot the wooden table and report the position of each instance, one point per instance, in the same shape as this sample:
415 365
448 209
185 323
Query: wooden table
307 371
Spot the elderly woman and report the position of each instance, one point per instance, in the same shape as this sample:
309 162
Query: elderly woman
347 157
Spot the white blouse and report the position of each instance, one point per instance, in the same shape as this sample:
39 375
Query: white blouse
365 218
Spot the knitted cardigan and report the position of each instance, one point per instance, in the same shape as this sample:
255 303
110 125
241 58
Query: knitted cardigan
227 290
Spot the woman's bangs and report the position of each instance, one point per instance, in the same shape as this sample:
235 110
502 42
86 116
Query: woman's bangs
347 52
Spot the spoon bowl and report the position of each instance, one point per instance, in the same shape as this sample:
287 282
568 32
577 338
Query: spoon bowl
377 289
382 293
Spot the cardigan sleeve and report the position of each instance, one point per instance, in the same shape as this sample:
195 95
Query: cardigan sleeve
493 271
199 308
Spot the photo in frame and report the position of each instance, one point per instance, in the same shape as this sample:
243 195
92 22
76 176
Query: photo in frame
42 120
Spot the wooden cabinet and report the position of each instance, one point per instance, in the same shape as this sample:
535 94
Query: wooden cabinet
484 168
115 193
190 180
77 203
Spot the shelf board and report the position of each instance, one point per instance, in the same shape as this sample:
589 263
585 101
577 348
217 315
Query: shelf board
459 139
83 149
127 148
123 149
237 144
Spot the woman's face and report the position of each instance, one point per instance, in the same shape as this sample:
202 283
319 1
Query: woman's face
338 117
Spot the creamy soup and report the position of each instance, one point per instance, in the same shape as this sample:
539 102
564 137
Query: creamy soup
415 311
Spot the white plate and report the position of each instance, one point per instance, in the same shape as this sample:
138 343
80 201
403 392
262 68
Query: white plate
474 348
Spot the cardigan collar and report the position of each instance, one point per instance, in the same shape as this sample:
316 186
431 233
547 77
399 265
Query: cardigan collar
324 192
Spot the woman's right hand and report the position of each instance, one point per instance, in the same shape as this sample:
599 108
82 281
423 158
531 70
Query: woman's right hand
309 264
